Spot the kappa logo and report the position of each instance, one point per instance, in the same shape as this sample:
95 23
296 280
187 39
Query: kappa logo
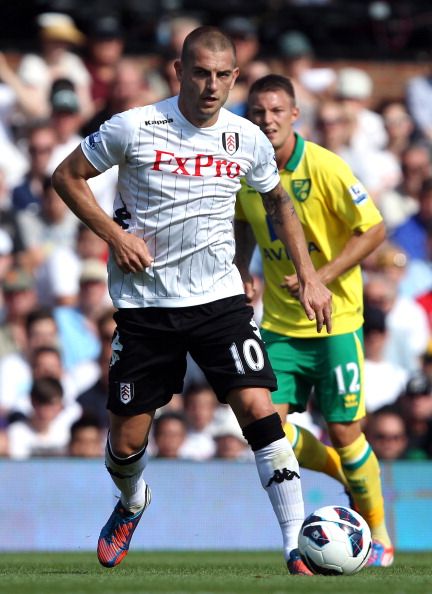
280 476
116 348
126 392
157 122
230 142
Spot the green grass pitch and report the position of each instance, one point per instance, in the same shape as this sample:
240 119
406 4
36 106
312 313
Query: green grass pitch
199 572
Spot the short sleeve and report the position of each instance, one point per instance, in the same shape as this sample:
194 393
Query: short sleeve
264 175
110 145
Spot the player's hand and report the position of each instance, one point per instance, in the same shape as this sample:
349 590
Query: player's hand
317 302
249 289
291 284
131 253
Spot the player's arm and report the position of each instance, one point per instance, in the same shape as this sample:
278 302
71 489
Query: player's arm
70 181
357 248
245 245
314 296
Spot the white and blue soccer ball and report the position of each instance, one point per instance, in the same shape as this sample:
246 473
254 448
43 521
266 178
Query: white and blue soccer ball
335 540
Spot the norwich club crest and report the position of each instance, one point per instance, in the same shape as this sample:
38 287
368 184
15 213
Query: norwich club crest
301 189
230 142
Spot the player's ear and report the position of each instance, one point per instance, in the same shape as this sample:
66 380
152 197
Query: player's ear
236 72
295 114
178 67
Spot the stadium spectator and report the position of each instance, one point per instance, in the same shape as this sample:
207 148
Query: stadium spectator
200 405
244 33
335 128
87 438
58 35
418 94
412 235
6 262
342 225
311 84
412 277
46 430
104 49
383 380
386 433
67 120
416 409
406 322
57 278
229 440
20 297
147 367
401 203
94 400
354 87
130 87
399 126
15 373
77 324
170 34
52 226
41 140
9 221
12 158
169 434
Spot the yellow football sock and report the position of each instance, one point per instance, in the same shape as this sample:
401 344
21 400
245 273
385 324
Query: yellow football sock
313 453
362 471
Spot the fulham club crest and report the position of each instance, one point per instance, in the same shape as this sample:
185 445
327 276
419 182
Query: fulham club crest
230 141
126 392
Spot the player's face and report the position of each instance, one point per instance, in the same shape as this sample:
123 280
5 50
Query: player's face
275 113
206 78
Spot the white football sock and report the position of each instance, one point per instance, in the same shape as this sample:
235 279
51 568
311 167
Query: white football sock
127 476
278 470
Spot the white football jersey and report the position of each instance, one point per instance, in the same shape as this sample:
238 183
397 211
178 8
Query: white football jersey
176 189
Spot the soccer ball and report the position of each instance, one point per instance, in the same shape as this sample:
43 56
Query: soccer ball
334 540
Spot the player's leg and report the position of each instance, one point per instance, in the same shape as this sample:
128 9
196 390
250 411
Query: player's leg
294 362
362 471
276 463
313 453
138 385
229 349
125 460
341 400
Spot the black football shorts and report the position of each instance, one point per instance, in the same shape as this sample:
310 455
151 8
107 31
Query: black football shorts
150 345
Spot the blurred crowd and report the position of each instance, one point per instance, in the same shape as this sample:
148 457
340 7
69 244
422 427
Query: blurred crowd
56 321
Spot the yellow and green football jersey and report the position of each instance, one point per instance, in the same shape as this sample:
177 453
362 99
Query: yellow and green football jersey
331 204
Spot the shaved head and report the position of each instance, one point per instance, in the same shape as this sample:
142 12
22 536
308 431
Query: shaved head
209 38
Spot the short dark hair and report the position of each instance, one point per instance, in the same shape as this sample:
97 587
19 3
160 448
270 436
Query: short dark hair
40 313
209 37
46 390
168 416
273 82
84 422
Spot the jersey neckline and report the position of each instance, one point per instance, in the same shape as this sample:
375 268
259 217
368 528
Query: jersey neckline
297 154
189 123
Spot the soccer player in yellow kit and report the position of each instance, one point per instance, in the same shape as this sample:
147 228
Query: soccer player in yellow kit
342 226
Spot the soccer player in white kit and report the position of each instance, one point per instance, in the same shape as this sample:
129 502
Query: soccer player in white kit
172 277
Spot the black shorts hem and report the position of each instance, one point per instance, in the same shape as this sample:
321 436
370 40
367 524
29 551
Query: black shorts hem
246 383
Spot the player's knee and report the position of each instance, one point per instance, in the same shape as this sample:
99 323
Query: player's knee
344 434
263 432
